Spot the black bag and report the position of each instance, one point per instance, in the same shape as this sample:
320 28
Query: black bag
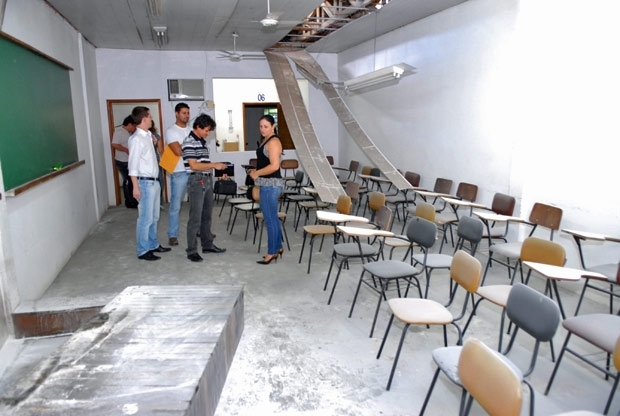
248 180
225 187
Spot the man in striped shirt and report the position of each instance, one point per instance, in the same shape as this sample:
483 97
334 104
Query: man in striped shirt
200 187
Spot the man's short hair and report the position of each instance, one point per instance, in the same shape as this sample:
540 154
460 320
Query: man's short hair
203 121
138 113
128 120
180 106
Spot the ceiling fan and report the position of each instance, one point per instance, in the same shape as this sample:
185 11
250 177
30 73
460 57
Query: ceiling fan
235 56
271 19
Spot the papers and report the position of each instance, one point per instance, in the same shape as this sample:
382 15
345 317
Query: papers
169 160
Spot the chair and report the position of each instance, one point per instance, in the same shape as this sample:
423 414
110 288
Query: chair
306 206
289 164
249 208
444 219
386 272
330 160
352 189
470 231
403 198
465 270
489 379
343 206
601 331
424 236
343 252
502 204
375 200
527 309
352 170
442 186
541 215
533 249
423 210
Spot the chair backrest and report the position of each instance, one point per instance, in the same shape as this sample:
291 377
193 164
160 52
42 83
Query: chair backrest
384 218
354 165
443 186
352 189
467 191
503 204
470 229
289 164
542 251
546 216
536 314
366 170
413 178
466 271
422 232
253 162
376 200
425 210
375 172
330 160
489 379
343 205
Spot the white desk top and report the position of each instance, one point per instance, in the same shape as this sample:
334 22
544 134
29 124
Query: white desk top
336 217
561 273
432 194
374 178
462 203
310 190
491 216
364 232
585 234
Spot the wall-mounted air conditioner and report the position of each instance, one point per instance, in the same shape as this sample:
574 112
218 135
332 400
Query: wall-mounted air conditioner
186 90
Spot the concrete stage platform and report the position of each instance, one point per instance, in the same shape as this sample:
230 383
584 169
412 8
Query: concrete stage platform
151 350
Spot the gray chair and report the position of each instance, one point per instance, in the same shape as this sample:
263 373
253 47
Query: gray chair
344 252
527 309
602 331
386 272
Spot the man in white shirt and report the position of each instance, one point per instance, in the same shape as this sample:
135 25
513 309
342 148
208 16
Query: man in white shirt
120 141
143 171
174 137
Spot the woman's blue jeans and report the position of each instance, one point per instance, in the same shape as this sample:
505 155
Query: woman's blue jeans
269 200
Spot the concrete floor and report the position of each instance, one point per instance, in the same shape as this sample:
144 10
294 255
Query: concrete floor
298 355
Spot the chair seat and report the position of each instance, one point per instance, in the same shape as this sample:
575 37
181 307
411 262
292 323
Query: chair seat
247 207
298 197
509 250
496 232
260 216
497 294
390 269
313 204
600 329
366 226
319 229
443 218
447 359
398 241
434 261
352 249
239 200
420 311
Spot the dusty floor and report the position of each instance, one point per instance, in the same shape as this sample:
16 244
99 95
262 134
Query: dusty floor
298 355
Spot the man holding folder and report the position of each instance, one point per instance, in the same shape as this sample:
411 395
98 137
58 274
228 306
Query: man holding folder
178 179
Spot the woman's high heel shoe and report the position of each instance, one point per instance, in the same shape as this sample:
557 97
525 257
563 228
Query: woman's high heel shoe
273 258
281 252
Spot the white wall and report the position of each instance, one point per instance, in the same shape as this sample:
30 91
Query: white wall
119 78
515 96
42 227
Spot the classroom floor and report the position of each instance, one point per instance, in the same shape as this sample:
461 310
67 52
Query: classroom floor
298 355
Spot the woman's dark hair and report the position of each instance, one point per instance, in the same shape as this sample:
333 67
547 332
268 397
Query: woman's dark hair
270 120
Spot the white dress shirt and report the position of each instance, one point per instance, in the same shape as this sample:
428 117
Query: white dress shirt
142 158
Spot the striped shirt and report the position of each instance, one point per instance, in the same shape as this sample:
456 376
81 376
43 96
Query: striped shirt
195 148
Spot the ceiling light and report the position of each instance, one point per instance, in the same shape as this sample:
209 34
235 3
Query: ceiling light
269 21
160 35
390 74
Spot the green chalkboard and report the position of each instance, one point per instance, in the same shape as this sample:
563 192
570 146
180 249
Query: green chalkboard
37 131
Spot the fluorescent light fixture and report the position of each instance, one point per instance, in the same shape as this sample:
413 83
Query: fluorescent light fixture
160 35
317 82
390 74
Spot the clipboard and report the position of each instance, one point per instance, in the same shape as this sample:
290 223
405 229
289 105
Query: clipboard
169 160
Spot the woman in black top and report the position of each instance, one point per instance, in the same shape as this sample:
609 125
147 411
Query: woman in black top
267 176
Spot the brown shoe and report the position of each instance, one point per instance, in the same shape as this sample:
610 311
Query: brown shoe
173 241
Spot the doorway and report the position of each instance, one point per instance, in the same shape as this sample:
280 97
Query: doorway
117 111
252 112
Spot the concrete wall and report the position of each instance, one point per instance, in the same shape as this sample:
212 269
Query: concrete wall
41 228
518 97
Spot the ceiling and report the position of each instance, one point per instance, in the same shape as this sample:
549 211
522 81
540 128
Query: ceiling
322 26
